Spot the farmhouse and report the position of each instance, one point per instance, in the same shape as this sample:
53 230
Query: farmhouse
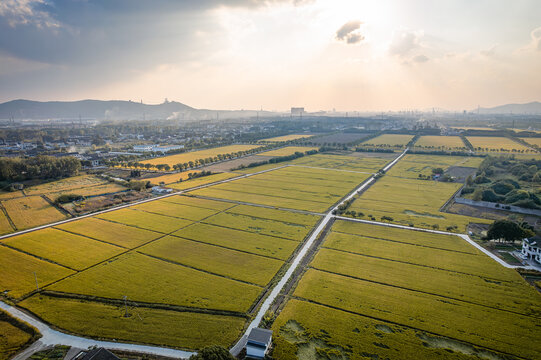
531 249
161 190
258 343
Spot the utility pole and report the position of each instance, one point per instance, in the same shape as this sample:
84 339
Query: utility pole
126 306
36 278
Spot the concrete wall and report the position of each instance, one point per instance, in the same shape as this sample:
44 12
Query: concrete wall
491 205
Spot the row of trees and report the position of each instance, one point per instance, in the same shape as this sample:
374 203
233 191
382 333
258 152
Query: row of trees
38 167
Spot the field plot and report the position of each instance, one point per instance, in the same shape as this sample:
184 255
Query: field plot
17 272
495 144
144 220
411 166
278 215
296 187
389 140
170 178
167 208
332 139
84 185
411 201
4 195
533 141
5 226
343 162
14 336
200 154
73 251
110 232
392 303
31 211
288 150
202 181
441 142
156 281
287 138
144 325
237 265
200 203
234 239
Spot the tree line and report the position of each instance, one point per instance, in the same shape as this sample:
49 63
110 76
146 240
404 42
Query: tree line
38 167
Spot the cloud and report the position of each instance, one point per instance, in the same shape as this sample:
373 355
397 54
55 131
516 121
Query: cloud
491 52
420 58
536 38
349 32
404 42
26 12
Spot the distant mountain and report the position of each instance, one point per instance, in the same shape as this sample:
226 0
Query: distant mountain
529 108
112 110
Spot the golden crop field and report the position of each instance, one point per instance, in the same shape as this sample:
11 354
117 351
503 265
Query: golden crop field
287 138
156 281
237 265
13 338
31 211
110 232
17 272
200 154
441 142
288 150
411 165
533 141
410 301
144 220
5 226
473 128
170 178
254 243
84 185
188 184
201 203
145 325
70 250
411 201
11 194
495 144
342 162
167 208
273 214
389 140
296 187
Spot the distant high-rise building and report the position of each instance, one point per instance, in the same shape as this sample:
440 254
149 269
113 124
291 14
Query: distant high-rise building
297 111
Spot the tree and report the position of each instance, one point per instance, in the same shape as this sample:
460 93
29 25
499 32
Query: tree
507 230
214 352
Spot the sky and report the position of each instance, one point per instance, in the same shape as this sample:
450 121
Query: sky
274 54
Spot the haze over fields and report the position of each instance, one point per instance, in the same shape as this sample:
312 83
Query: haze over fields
252 54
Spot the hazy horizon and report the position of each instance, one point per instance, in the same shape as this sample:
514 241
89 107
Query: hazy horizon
321 54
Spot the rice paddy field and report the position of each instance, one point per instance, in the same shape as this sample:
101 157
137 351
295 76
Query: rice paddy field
14 336
200 154
347 304
202 181
84 185
441 142
287 138
343 162
496 144
411 166
200 261
294 187
389 140
288 150
533 141
31 211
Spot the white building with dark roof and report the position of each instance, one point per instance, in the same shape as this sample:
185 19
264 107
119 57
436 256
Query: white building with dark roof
531 249
258 343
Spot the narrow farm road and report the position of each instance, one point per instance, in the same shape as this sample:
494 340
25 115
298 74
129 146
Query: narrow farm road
53 337
235 350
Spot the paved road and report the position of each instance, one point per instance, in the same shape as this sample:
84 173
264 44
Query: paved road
53 337
276 290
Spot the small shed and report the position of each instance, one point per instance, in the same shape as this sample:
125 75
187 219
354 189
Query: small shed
158 190
96 354
258 343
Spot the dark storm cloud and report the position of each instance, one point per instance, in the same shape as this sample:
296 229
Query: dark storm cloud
349 32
